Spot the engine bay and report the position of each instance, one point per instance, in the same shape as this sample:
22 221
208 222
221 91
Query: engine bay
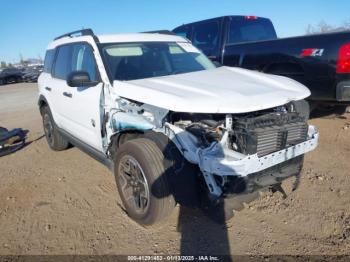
261 132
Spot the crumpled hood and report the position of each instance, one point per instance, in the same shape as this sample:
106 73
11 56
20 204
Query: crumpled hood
219 90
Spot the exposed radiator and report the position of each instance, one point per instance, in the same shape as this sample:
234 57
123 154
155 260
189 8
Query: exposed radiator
272 139
267 134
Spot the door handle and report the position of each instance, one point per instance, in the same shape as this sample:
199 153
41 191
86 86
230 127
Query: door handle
48 88
67 94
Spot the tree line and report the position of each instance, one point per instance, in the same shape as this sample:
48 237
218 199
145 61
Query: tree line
323 27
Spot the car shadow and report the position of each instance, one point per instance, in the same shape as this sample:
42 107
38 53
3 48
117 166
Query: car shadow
202 231
200 235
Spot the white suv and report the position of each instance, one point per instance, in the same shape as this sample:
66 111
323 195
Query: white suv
172 126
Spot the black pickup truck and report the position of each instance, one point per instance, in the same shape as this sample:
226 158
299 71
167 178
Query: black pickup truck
320 62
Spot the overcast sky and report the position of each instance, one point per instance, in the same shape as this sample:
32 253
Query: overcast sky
27 26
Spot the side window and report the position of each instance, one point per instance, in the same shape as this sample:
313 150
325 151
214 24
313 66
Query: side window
206 36
49 56
63 62
83 59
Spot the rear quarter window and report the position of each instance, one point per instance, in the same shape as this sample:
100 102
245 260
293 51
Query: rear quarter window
49 56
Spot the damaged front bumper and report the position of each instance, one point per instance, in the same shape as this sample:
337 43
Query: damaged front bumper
219 160
225 162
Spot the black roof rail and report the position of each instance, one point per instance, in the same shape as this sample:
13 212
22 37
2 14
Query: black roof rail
81 32
163 32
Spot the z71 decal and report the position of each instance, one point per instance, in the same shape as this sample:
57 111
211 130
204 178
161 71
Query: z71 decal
312 52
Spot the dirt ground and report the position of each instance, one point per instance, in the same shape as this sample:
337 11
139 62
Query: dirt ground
67 203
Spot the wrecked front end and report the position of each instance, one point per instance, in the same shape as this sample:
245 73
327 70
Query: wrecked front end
235 153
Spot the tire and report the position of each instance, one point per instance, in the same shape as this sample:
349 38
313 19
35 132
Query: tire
329 111
142 183
340 109
55 140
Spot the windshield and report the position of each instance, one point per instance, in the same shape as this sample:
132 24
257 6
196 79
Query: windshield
130 61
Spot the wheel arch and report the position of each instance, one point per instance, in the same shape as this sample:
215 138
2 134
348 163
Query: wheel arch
42 102
182 175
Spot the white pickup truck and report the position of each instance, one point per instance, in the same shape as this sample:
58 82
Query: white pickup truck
172 126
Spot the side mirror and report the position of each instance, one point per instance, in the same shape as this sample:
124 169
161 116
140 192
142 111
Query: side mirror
79 79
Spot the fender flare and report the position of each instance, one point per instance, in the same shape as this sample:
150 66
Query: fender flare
42 101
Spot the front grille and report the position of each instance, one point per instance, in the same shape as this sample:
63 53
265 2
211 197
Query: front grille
269 133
